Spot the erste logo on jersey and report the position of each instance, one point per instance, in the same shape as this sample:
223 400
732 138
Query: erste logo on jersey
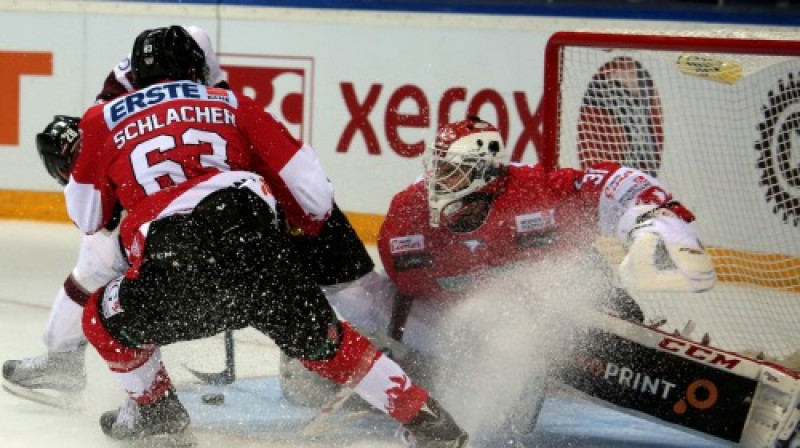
410 243
123 107
282 85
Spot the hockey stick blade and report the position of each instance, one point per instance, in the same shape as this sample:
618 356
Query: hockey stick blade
228 375
219 378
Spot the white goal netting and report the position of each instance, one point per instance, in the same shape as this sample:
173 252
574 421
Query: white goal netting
718 120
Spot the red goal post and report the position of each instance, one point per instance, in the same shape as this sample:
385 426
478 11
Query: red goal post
717 118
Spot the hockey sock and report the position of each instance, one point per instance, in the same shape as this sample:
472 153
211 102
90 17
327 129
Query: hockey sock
372 375
138 370
63 332
75 291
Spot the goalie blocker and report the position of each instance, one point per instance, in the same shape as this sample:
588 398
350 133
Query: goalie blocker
694 387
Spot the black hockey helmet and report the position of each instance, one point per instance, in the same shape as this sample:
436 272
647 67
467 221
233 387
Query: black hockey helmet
169 53
58 146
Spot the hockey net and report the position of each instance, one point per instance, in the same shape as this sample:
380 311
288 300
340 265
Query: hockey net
717 119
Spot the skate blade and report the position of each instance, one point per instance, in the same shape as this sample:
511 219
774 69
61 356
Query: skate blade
60 400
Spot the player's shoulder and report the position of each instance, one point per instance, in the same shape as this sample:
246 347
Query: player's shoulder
520 170
412 202
535 178
247 106
603 167
525 176
413 194
92 114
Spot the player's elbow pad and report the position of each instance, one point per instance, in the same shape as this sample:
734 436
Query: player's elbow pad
665 254
84 206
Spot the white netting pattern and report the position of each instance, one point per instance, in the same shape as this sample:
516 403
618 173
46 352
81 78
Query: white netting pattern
722 130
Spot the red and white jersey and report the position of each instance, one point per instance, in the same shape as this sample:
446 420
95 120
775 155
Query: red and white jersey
535 214
118 82
162 149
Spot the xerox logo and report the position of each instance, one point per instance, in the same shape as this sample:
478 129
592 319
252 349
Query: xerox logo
283 85
381 116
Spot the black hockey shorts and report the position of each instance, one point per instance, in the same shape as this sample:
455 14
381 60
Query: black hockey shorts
224 266
337 254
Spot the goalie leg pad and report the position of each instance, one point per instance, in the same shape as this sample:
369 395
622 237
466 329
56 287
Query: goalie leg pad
694 387
775 414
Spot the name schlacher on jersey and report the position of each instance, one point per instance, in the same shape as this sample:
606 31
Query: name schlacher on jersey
190 114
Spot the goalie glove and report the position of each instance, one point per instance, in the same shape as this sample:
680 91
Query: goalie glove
664 253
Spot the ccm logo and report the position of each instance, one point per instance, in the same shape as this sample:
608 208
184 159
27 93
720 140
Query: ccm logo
698 352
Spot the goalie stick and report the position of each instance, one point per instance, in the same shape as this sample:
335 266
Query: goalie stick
227 375
319 422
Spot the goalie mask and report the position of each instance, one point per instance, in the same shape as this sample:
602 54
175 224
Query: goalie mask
58 146
465 157
164 54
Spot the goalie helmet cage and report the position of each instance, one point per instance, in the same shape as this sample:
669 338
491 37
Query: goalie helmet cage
717 119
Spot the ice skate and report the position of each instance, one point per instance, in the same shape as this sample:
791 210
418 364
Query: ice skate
166 419
433 427
54 379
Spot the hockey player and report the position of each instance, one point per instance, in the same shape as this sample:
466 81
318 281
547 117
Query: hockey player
474 215
336 256
199 171
61 369
524 213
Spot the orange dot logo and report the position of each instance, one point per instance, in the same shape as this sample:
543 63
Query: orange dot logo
701 395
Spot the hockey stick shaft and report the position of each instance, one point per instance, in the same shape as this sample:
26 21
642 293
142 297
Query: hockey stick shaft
230 362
